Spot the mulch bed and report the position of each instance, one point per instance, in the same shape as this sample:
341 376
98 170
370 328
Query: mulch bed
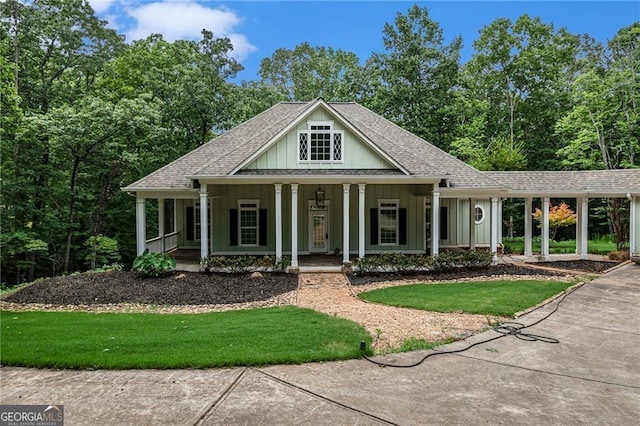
584 265
190 288
559 268
182 288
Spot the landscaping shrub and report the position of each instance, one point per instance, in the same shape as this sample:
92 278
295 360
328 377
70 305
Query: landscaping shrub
620 255
407 263
154 264
244 264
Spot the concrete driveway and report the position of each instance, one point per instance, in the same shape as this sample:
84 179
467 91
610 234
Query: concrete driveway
591 376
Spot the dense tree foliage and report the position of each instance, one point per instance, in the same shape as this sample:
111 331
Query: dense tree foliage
414 79
83 113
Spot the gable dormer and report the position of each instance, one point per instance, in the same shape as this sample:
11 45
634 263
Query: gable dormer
320 140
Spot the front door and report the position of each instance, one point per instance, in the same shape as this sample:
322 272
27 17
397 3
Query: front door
318 229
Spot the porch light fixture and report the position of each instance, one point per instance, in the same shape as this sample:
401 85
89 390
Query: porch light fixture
319 197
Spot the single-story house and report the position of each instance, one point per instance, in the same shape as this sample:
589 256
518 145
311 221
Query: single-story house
322 177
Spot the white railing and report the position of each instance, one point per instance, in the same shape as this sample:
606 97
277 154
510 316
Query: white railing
168 242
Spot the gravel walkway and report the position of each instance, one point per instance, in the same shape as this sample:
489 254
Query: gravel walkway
391 326
388 325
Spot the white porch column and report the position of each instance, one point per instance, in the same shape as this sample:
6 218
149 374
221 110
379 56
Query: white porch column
161 223
582 233
141 226
634 235
472 224
435 223
278 187
545 229
345 222
494 228
294 225
361 223
204 221
528 226
500 221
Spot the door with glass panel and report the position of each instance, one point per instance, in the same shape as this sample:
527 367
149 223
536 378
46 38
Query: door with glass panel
318 230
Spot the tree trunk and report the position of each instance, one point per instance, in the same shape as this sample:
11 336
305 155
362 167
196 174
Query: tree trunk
72 213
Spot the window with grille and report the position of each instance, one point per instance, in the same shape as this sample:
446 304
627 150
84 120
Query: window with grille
320 143
248 223
479 214
388 222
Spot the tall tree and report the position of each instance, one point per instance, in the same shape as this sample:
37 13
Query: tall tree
189 77
518 69
414 79
57 47
305 73
93 129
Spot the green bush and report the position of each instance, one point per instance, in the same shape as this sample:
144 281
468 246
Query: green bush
102 251
244 264
408 263
154 264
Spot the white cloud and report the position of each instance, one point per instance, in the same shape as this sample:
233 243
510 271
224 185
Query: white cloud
101 6
185 20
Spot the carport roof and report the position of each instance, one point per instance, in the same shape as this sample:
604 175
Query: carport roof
592 182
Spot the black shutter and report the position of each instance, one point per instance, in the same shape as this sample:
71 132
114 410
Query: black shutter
402 226
444 223
373 216
190 224
233 227
262 227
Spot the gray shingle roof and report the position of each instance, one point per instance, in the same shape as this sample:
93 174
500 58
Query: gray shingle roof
591 181
416 155
221 156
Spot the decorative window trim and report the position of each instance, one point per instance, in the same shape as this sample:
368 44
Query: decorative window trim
386 204
479 214
249 206
307 146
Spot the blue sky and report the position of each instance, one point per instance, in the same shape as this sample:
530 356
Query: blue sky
258 28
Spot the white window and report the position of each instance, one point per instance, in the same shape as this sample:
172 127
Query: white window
248 223
388 222
320 143
479 214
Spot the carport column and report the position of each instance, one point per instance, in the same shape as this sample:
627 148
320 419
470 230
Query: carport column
582 233
161 223
435 223
345 223
545 229
472 224
361 227
634 236
500 221
494 229
294 225
278 187
141 226
204 221
528 226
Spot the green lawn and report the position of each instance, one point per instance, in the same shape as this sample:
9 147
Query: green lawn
601 246
80 340
500 298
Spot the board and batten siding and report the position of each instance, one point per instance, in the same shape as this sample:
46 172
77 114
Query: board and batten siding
482 230
284 153
223 198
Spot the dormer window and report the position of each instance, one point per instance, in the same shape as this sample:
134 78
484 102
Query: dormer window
320 143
